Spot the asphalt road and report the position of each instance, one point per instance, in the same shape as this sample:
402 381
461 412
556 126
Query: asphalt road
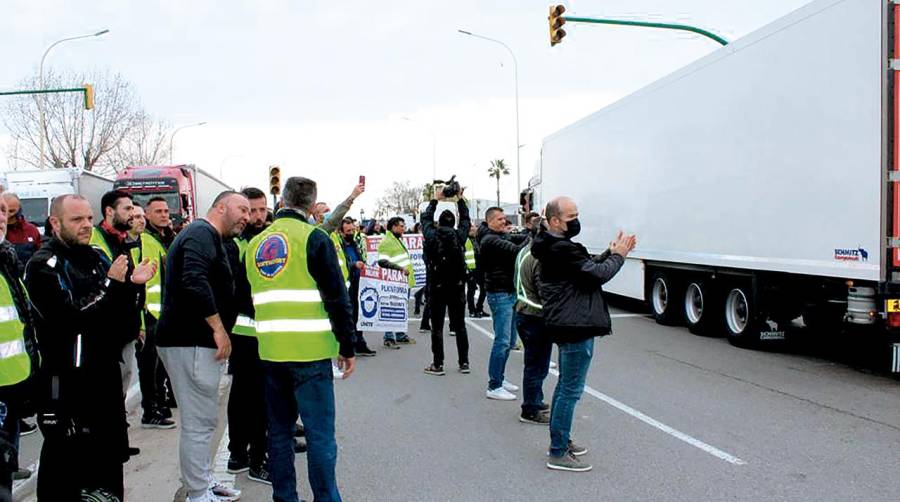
667 416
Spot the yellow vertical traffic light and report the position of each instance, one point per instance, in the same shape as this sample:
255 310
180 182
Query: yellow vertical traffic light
556 22
88 97
274 180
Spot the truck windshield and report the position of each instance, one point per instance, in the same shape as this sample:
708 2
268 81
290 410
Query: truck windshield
36 210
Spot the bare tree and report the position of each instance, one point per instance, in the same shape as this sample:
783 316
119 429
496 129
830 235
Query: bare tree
145 144
400 198
75 137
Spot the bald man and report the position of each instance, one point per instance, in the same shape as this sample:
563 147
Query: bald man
198 312
574 313
24 236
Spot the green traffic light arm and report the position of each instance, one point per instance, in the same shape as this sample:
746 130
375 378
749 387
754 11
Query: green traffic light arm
82 90
646 24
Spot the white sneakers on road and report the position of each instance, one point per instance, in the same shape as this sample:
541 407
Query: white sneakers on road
501 394
510 386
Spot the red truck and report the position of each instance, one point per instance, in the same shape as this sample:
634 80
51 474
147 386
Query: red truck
189 191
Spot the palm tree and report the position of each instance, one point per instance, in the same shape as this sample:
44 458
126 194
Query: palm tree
498 168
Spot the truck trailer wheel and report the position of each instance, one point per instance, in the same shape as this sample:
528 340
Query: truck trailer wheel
701 313
663 294
740 318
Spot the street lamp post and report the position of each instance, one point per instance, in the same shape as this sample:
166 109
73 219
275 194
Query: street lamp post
433 149
516 72
172 137
41 83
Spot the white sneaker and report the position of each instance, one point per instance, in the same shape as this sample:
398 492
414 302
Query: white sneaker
510 386
222 493
501 394
552 364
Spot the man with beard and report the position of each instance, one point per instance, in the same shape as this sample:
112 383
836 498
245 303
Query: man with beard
159 223
111 238
355 261
86 312
246 401
199 310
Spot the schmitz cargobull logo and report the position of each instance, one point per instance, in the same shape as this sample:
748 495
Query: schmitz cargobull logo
858 254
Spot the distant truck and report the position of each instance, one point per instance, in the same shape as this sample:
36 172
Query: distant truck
188 191
762 181
37 188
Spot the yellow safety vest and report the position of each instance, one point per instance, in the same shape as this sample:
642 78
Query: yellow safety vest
15 365
342 260
244 325
291 321
152 249
393 250
99 242
470 254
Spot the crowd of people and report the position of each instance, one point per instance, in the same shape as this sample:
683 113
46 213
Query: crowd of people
275 294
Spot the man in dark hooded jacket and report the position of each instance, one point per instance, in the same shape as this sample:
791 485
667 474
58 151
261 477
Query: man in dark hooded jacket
445 247
574 313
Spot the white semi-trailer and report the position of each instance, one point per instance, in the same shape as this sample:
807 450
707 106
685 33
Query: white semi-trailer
37 188
761 180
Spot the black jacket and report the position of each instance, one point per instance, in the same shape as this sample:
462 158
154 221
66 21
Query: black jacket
570 287
199 284
498 258
434 235
165 236
83 320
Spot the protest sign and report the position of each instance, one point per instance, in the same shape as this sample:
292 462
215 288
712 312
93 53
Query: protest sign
414 244
383 297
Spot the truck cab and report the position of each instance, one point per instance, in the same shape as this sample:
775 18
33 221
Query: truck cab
173 183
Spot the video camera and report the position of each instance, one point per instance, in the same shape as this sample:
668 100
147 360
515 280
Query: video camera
451 187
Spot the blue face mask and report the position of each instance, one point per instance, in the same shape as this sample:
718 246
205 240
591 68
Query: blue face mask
326 215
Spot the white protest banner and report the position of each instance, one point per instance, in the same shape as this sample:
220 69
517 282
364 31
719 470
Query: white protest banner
383 300
414 244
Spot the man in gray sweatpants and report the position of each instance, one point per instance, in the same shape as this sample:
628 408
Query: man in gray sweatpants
198 312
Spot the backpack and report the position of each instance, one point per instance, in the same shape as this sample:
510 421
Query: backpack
446 258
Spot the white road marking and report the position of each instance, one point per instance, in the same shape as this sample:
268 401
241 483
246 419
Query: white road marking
642 417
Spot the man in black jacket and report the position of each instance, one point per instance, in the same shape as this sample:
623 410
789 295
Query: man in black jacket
199 311
86 313
574 313
499 249
446 263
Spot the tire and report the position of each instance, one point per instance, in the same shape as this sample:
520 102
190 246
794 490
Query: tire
702 314
745 325
662 294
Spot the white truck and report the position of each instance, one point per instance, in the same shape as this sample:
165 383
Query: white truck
37 188
762 181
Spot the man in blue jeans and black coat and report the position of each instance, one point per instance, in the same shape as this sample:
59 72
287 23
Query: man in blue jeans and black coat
574 313
499 249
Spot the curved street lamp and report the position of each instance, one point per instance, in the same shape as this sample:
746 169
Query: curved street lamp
41 83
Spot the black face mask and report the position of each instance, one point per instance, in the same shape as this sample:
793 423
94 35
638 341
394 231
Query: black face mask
573 228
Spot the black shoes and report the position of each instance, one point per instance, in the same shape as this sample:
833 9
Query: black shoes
365 352
464 368
435 370
155 420
260 474
237 465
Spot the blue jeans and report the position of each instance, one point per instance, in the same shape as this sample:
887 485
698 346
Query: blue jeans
503 315
307 389
396 337
574 362
538 349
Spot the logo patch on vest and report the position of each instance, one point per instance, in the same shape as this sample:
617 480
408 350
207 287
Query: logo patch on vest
272 255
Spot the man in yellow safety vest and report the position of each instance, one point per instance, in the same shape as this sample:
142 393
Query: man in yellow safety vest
303 321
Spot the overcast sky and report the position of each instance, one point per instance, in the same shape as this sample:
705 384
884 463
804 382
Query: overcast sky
321 88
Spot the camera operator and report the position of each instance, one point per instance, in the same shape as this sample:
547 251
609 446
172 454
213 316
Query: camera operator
445 247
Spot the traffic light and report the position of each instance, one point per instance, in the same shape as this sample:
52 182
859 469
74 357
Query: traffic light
274 180
556 22
88 97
